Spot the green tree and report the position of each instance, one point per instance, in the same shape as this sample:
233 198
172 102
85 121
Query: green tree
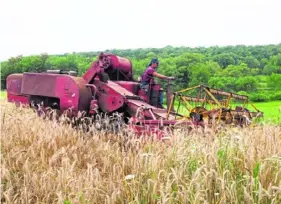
248 84
252 62
11 66
225 59
235 71
225 83
270 69
274 81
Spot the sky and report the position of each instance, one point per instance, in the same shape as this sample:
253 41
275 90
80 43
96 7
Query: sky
31 27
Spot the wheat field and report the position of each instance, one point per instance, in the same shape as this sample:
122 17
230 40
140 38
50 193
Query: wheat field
44 161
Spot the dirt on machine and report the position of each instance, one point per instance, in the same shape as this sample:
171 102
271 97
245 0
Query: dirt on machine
108 87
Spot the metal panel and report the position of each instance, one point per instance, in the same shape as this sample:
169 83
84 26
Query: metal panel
39 84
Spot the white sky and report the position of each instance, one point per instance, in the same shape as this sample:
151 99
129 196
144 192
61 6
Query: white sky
59 26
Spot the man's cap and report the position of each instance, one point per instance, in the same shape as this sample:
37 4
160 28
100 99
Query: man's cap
154 60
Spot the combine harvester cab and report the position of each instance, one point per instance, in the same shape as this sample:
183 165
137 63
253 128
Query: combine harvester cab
108 87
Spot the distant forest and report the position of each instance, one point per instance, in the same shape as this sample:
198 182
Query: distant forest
251 70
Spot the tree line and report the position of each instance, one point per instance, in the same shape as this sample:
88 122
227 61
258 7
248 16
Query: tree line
251 70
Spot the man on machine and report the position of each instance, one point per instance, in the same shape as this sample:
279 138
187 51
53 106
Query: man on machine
148 78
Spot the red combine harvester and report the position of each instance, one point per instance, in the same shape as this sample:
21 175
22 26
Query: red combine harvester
106 87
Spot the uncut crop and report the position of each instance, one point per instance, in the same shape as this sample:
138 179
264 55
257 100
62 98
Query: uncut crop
45 161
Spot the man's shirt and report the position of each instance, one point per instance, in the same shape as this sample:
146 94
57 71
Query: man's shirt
147 75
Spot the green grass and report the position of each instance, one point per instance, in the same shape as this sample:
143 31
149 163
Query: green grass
3 94
271 110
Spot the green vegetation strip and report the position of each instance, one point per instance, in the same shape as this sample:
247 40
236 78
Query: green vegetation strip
3 94
251 70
